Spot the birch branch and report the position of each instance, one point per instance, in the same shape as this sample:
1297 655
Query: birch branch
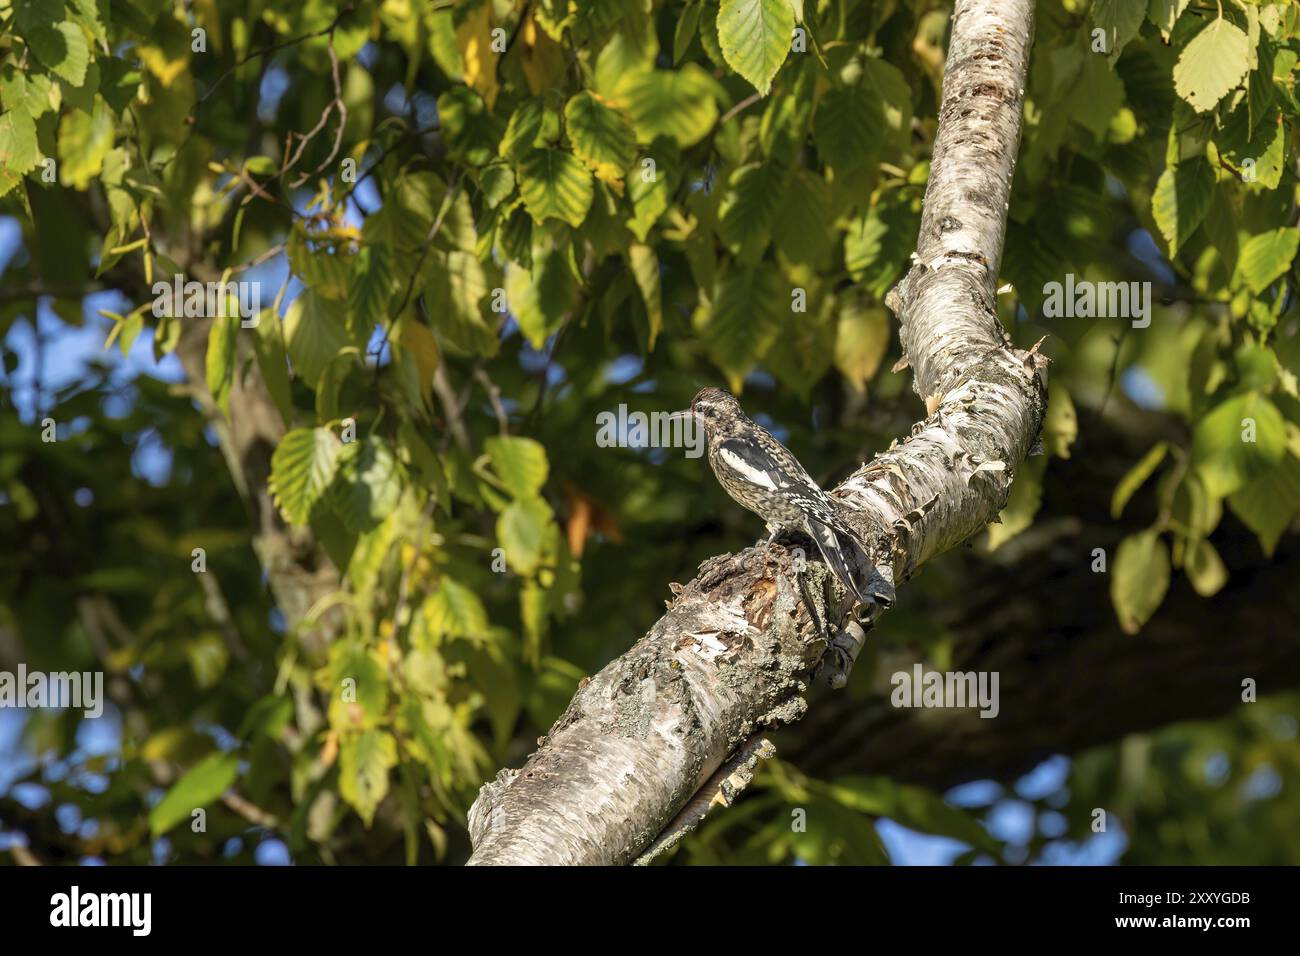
735 652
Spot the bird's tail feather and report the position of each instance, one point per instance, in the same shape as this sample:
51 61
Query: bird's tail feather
840 546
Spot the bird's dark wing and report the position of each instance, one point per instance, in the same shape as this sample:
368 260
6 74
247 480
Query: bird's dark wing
772 468
767 468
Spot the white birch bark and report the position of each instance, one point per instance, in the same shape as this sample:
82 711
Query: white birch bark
739 644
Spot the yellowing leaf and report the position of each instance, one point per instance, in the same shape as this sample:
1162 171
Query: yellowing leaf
861 338
364 762
540 57
474 40
416 339
84 141
602 138
455 611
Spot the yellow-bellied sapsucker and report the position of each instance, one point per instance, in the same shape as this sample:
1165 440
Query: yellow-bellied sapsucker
761 474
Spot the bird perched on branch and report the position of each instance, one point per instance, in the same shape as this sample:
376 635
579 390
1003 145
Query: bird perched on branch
761 474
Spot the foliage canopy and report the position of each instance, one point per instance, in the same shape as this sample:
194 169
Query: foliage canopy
476 225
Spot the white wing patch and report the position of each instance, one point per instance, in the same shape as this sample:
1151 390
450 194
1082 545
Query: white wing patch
752 475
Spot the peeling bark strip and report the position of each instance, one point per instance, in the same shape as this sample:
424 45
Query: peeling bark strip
736 649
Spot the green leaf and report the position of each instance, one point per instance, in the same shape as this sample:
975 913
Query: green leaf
803 237
540 298
755 38
601 136
534 614
847 127
1120 19
519 463
749 208
522 531
454 290
1022 505
650 193
204 782
1214 62
220 359
33 93
1267 256
1205 568
301 469
455 611
19 153
1136 477
471 130
684 32
532 126
915 807
326 268
1061 425
894 100
1254 145
376 283
1096 95
1165 13
748 309
1269 502
645 270
875 250
403 223
497 182
364 762
555 185
676 103
368 484
314 332
62 47
273 363
1139 579
1237 440
1181 198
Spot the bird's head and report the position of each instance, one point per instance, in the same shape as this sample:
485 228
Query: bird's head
714 408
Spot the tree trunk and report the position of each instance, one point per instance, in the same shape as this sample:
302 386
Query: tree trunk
738 646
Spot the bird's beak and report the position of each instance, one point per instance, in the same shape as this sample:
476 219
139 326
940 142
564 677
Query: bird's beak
684 413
